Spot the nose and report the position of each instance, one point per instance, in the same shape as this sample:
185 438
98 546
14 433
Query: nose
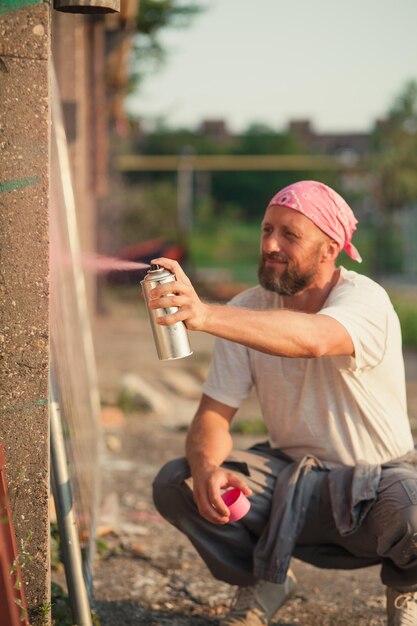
270 244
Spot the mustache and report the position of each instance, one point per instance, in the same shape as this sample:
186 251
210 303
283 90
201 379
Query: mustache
274 256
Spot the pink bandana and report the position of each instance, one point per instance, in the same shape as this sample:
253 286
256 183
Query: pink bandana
323 206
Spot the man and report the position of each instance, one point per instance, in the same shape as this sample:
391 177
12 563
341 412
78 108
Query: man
335 485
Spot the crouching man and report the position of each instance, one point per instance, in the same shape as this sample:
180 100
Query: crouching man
335 485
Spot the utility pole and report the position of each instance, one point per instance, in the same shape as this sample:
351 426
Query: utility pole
185 194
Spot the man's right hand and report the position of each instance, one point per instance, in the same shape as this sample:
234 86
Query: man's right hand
207 488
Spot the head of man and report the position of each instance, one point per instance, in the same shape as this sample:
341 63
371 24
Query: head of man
305 226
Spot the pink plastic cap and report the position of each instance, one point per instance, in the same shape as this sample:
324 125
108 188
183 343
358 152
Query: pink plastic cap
237 502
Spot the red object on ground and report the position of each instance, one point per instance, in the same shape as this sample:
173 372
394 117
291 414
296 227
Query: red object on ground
13 608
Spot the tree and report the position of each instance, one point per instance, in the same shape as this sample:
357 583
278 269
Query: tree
395 153
394 169
153 17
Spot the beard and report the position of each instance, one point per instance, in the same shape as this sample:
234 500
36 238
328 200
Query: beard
291 281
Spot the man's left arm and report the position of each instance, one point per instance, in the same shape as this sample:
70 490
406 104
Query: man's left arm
276 332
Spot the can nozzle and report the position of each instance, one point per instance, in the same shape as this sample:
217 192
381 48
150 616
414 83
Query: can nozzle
154 266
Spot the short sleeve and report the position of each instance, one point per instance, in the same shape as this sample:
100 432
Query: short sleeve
364 309
229 379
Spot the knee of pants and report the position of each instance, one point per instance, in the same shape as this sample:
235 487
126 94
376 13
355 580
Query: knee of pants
399 541
408 520
171 475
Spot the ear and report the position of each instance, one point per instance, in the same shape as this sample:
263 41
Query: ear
330 250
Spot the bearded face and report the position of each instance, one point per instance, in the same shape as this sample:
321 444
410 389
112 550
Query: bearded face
292 249
286 278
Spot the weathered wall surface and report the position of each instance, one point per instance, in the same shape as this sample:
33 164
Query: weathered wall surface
24 332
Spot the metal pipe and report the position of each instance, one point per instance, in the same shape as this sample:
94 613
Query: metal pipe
87 6
70 545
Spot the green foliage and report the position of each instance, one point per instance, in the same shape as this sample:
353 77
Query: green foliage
23 614
253 426
394 159
61 608
175 141
56 561
149 211
250 191
44 613
228 243
130 402
233 244
154 16
406 308
233 198
24 556
60 605
380 249
102 548
260 139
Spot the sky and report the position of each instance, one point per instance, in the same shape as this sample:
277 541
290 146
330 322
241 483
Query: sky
339 64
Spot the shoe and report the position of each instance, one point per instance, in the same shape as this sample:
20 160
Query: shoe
256 606
401 607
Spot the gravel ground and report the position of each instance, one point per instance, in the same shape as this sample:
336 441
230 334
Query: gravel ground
146 572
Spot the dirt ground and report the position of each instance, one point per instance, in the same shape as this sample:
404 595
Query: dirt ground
146 573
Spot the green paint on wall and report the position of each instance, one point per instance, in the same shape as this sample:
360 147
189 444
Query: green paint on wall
19 183
19 408
11 5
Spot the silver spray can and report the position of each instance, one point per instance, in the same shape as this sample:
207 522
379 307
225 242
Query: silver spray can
171 341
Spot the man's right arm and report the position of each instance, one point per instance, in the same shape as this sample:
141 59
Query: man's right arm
208 444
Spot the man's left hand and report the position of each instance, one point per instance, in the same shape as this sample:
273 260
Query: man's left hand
179 293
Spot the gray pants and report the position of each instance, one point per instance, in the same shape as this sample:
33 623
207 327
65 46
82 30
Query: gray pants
387 535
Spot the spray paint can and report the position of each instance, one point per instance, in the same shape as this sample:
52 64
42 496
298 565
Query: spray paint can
171 342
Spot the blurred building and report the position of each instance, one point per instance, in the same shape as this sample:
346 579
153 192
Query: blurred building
91 55
217 130
348 145
332 144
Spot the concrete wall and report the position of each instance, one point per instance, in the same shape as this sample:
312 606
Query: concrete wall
24 329
29 29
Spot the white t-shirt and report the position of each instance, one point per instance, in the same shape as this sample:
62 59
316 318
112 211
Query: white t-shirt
341 409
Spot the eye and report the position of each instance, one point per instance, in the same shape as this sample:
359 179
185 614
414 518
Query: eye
290 235
266 229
